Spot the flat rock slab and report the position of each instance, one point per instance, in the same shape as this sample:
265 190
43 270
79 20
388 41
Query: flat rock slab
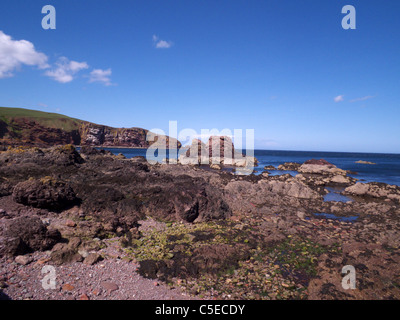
109 286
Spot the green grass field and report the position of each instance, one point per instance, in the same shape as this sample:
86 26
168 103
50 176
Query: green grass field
47 119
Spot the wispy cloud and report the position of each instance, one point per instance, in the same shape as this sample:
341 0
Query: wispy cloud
161 44
338 99
102 76
66 70
15 53
362 98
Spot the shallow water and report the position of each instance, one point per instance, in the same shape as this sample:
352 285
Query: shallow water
334 195
334 217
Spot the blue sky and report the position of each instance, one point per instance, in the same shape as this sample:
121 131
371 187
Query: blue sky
286 69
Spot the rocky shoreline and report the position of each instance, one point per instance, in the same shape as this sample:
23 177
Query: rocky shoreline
117 228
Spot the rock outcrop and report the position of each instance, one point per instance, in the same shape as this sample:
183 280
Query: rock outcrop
374 190
243 236
320 167
364 162
289 166
219 150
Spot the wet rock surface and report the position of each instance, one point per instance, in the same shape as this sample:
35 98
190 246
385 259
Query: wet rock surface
122 225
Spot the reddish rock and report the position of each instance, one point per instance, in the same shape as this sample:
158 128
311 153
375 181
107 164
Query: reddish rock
197 149
222 145
321 162
96 292
70 223
68 287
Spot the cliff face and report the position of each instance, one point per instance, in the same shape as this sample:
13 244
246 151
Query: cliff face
28 127
97 135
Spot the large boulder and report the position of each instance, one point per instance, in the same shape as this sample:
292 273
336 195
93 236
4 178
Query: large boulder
25 234
64 155
184 199
45 193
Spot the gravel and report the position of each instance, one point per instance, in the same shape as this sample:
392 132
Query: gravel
113 278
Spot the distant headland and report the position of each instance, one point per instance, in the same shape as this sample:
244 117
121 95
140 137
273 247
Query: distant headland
20 126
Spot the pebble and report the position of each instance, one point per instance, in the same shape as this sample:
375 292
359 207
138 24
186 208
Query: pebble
68 287
23 260
110 286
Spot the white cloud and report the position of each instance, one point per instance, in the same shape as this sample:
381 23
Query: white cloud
99 75
161 44
15 53
362 99
65 70
338 98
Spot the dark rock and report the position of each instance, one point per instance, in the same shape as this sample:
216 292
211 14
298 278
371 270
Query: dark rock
26 234
321 162
88 150
65 155
139 159
185 199
3 213
289 166
74 242
63 253
44 193
92 258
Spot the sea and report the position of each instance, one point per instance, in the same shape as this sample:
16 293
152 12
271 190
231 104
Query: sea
386 168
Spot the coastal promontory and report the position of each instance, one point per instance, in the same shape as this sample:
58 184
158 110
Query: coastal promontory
20 126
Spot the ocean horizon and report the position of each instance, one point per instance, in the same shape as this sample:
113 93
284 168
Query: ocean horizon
386 167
